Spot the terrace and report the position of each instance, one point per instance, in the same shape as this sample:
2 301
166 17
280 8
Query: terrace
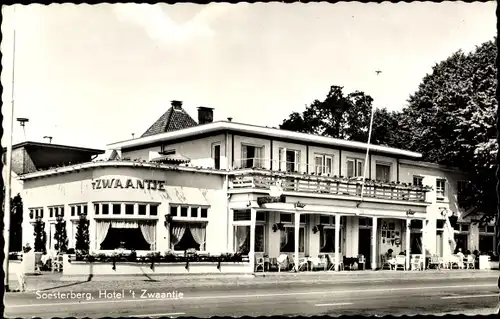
262 179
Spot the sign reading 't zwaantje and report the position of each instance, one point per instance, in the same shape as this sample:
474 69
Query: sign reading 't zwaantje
128 183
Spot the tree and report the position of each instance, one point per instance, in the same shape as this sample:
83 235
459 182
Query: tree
82 235
16 221
346 117
61 236
40 235
450 119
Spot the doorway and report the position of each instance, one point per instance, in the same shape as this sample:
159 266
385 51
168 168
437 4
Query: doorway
365 243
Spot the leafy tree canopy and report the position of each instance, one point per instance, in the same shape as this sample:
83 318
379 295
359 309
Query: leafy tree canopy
345 117
451 120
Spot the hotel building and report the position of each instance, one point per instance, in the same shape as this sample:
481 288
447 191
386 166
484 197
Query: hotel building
224 186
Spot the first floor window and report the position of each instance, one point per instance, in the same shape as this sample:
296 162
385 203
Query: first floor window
187 235
216 155
383 172
323 164
418 181
355 167
287 240
327 240
440 188
289 160
251 156
126 234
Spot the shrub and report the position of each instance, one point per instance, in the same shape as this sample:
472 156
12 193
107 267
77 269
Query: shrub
132 256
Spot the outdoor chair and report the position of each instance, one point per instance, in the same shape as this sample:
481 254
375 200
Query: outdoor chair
471 262
435 262
320 262
416 263
361 261
259 262
282 262
386 263
456 261
332 262
303 263
57 263
400 262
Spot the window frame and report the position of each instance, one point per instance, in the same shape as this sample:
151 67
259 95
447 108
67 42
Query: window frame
188 218
383 164
283 162
256 162
438 192
357 171
418 178
213 155
301 227
323 166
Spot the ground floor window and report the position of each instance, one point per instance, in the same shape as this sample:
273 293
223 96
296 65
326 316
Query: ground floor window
327 240
287 239
242 238
188 235
462 242
416 243
486 243
126 234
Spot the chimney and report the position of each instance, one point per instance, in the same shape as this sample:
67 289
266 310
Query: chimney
205 115
176 105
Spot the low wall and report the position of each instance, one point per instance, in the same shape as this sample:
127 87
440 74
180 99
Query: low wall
15 266
81 268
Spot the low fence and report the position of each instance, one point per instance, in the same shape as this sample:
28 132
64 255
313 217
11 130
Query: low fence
330 185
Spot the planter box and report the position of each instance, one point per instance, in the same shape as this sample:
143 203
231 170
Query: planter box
85 269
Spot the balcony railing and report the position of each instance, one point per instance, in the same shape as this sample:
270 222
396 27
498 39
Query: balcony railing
291 182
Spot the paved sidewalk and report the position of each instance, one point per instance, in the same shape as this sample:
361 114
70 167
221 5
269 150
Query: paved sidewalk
55 281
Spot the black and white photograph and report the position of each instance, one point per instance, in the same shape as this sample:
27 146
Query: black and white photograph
250 159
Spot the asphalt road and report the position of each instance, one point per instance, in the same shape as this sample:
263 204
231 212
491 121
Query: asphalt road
375 297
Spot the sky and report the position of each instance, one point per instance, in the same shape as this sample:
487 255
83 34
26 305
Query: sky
93 75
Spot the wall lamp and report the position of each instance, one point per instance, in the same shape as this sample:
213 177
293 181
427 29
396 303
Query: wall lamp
168 219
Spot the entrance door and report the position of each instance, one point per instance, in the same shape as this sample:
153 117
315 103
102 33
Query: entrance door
365 243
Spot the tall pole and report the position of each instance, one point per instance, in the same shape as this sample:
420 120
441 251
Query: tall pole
7 210
368 148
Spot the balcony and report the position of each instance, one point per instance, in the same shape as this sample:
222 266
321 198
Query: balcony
327 185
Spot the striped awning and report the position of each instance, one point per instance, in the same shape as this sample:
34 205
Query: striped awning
171 158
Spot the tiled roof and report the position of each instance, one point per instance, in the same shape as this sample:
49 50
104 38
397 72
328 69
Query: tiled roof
176 118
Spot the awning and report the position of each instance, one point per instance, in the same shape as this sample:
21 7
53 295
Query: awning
172 158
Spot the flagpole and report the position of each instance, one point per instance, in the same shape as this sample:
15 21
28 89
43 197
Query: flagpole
367 149
7 197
